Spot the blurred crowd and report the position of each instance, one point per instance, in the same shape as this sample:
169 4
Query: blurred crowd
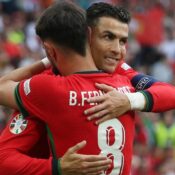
150 49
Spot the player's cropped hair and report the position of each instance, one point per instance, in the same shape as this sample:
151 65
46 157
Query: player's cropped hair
64 23
101 9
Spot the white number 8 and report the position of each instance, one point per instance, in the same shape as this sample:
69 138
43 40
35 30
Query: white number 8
111 140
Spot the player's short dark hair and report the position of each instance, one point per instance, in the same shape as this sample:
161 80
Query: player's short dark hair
64 23
101 9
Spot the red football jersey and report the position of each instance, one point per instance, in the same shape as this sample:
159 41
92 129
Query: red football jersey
63 112
28 147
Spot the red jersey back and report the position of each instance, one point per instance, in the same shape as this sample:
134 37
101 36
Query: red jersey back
61 101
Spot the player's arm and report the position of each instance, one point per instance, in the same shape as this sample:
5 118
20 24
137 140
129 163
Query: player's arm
156 93
27 71
7 89
151 93
113 103
163 95
15 163
9 81
24 147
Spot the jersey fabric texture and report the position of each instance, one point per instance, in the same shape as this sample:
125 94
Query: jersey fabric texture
66 97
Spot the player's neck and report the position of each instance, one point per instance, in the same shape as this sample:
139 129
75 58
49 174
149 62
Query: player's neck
77 63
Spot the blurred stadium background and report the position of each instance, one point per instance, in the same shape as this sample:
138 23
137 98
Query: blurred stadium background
151 50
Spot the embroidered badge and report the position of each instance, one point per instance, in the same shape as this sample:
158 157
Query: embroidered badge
18 124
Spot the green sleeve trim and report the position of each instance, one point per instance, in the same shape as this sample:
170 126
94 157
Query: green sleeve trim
19 102
55 167
51 142
59 166
149 101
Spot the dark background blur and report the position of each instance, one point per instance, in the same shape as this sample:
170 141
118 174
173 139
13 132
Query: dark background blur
151 50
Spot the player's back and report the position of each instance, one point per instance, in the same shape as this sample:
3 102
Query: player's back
63 113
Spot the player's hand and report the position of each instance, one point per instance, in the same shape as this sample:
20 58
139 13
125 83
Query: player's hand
80 164
110 105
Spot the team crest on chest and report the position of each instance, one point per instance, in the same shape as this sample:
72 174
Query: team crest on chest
18 124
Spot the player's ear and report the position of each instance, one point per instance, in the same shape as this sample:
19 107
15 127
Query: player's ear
50 50
89 35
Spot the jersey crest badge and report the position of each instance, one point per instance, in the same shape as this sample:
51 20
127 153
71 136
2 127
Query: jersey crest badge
18 124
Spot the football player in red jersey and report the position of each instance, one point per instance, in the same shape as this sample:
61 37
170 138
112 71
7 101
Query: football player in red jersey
107 29
126 71
67 95
28 137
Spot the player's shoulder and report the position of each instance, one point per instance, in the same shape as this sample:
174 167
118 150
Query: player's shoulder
121 78
123 67
43 80
43 77
42 84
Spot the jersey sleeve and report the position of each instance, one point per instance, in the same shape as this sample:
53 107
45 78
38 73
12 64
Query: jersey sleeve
160 96
21 148
33 94
138 80
163 96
